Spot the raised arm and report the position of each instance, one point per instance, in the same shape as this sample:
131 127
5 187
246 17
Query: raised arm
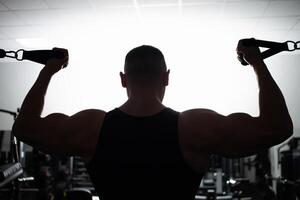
56 133
240 134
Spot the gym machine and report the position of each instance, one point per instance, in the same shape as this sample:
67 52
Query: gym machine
288 185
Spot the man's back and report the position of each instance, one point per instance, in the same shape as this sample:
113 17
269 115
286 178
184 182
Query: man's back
135 156
141 158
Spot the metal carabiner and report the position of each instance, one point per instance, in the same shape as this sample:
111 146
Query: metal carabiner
19 54
14 54
297 45
291 45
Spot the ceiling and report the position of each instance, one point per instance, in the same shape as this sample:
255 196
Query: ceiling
37 18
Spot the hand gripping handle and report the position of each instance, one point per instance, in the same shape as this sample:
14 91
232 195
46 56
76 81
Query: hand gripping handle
274 48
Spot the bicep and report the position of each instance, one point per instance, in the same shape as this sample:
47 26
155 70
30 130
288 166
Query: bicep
236 135
240 134
47 134
61 134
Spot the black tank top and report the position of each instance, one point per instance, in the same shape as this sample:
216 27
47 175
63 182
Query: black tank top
140 158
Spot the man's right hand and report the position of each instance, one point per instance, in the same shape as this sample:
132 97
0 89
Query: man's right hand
251 54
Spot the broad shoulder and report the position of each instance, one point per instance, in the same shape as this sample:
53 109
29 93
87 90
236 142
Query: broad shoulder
88 124
198 111
91 113
195 117
202 124
91 118
196 124
194 127
88 118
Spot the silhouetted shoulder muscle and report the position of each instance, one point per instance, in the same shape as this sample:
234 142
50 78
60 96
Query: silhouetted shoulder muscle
195 132
91 123
62 134
197 127
236 135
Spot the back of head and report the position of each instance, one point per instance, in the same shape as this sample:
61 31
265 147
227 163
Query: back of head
144 64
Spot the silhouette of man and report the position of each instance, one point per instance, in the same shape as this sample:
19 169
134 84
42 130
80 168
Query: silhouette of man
143 149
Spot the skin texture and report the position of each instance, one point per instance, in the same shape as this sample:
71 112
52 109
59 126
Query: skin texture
201 131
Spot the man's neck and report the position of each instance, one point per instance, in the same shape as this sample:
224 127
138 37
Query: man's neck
142 106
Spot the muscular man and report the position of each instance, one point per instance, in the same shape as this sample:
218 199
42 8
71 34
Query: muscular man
143 149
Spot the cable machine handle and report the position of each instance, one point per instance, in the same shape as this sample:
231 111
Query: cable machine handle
38 56
274 47
41 56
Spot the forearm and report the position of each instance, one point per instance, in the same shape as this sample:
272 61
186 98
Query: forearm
33 103
273 109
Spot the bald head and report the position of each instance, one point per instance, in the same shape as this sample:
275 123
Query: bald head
144 64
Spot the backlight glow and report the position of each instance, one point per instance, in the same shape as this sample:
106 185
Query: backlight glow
200 54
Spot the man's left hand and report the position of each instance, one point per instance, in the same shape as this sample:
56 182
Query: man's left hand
53 65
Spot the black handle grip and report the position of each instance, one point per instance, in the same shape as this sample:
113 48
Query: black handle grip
247 43
274 48
2 53
42 56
